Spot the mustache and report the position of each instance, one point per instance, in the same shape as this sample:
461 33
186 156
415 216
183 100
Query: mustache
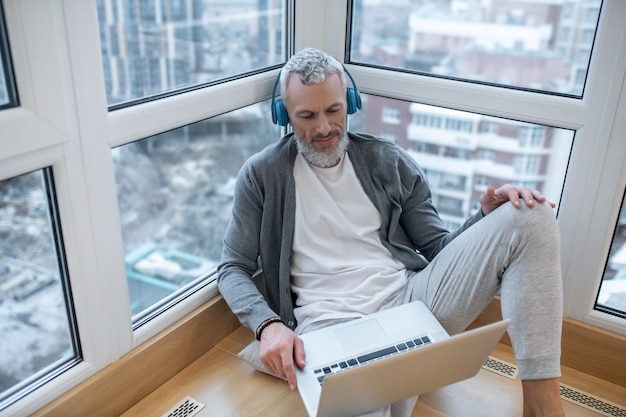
332 133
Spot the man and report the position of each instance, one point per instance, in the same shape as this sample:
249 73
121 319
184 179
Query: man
343 225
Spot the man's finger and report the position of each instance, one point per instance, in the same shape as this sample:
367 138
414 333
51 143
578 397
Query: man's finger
538 196
298 352
514 197
528 197
289 369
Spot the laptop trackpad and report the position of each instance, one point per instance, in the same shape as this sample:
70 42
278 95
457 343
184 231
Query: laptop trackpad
361 334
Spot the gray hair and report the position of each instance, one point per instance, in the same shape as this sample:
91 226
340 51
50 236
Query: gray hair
312 66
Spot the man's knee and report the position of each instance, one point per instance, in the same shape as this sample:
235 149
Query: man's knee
540 217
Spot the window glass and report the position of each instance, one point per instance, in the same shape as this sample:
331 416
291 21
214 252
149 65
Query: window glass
36 325
542 45
175 194
8 95
612 296
154 47
462 153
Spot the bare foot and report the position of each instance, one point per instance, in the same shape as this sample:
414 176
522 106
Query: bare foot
542 398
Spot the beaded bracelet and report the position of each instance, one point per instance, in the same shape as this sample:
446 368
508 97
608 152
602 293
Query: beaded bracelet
266 323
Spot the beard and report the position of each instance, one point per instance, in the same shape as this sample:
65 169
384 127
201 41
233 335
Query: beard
322 159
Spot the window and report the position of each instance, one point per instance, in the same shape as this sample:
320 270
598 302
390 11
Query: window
487 42
449 206
72 62
8 95
391 115
482 181
486 155
153 48
174 188
529 65
432 121
588 36
527 165
489 127
453 182
175 194
64 124
458 157
531 136
612 295
39 337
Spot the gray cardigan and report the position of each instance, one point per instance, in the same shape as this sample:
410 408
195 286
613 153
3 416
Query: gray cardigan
260 232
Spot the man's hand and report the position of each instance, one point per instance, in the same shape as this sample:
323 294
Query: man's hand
280 351
492 199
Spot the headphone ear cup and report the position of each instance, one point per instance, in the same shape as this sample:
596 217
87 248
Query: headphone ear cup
279 113
353 99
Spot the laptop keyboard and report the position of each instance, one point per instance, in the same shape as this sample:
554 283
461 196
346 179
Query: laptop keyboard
324 371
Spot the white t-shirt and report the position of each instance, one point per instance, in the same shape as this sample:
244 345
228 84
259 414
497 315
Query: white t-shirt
339 266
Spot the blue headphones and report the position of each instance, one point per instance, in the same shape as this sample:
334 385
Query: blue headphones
279 111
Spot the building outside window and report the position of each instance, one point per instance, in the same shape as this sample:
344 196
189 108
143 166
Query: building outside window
391 115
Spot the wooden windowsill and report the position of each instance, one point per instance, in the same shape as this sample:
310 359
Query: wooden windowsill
209 334
228 386
127 381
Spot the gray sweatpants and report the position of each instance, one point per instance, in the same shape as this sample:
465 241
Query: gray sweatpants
516 252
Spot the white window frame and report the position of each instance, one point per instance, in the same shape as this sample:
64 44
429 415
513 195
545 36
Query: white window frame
62 121
597 170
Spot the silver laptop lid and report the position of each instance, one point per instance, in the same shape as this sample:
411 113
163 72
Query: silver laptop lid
406 375
331 349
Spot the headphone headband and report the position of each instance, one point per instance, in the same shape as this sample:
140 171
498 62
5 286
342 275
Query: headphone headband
279 111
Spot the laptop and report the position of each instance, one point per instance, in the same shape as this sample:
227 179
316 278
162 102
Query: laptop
359 366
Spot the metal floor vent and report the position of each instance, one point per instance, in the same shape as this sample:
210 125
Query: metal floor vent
591 402
187 407
500 367
573 395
